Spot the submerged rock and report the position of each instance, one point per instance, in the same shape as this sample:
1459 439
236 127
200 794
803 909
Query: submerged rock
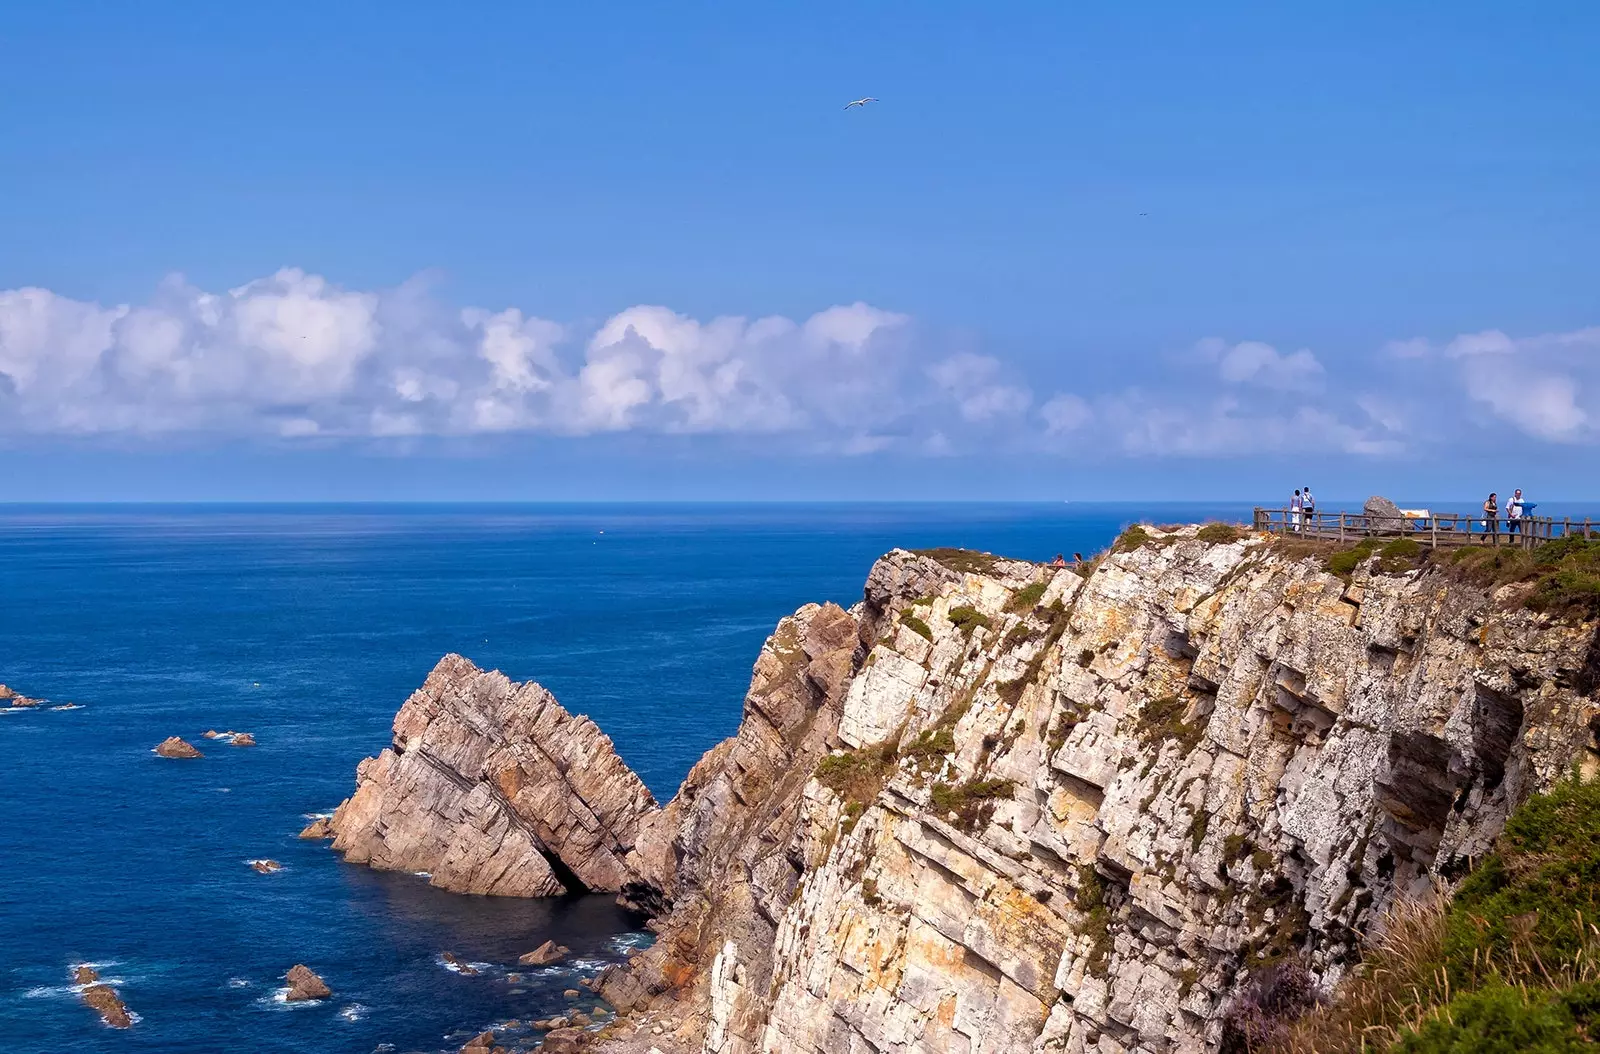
266 867
490 787
173 747
465 969
305 985
317 829
545 954
211 733
243 739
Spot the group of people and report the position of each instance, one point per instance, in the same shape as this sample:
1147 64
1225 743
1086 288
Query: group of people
1516 509
1301 508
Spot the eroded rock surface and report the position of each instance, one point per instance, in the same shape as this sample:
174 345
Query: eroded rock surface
101 997
305 985
491 787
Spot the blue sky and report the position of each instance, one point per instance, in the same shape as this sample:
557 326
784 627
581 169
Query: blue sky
640 251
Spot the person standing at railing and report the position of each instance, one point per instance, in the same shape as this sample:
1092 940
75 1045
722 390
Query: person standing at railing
1514 514
1491 516
1308 505
1296 506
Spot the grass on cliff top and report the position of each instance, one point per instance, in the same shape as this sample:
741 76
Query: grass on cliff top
1511 963
962 561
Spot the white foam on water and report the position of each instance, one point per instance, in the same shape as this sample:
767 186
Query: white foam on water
264 860
51 991
626 942
423 874
579 965
238 982
317 815
68 706
278 999
353 1012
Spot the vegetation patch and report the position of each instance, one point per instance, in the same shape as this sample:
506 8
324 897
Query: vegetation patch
963 561
1219 533
858 775
931 744
1400 555
1161 721
972 802
1134 537
916 625
1563 575
1091 900
967 618
1344 562
1027 598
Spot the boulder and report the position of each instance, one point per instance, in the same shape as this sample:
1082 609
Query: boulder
563 1041
483 1043
571 993
173 747
317 829
266 867
6 693
305 985
211 733
545 954
243 739
1383 515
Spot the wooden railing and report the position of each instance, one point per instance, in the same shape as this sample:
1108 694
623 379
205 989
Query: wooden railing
1435 529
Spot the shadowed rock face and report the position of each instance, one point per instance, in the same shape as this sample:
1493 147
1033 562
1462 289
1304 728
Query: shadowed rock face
1075 818
491 787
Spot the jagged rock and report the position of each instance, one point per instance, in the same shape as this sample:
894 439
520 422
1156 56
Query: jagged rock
173 747
484 1043
211 733
305 985
82 974
6 693
545 954
266 867
243 739
12 697
1383 514
465 969
484 782
317 829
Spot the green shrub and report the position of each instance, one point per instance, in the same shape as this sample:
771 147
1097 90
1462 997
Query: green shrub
1344 562
869 892
966 618
1502 1019
857 775
916 625
972 802
1132 538
1533 897
1219 533
935 742
1026 598
1402 554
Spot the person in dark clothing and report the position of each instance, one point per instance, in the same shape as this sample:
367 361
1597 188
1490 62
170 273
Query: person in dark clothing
1491 516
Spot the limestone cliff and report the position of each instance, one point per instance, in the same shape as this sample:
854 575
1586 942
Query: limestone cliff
491 787
1002 807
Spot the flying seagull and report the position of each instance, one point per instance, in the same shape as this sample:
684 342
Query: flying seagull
859 102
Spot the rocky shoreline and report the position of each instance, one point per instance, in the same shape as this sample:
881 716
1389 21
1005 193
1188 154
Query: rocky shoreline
1002 807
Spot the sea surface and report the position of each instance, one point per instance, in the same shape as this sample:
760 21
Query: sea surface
308 626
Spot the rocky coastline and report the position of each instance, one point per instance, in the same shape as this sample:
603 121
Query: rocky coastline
997 806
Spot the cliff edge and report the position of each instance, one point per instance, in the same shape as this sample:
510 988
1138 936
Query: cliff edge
1003 807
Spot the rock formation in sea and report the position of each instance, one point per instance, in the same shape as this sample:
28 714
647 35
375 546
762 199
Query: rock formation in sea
174 747
305 985
491 787
1000 807
101 997
12 697
545 954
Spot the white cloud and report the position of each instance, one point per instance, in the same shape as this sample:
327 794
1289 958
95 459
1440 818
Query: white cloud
1252 362
1546 386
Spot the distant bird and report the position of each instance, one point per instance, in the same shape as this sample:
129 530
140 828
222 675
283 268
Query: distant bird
1144 214
859 102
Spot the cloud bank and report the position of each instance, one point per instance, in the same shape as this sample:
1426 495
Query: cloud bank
296 358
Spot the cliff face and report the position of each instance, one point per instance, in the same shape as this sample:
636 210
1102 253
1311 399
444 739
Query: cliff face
491 787
999 807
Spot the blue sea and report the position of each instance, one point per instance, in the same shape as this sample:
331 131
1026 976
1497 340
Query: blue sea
308 626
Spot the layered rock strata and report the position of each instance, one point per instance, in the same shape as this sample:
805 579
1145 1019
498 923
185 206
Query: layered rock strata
1003 807
491 787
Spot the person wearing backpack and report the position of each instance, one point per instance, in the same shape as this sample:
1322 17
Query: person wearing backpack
1308 505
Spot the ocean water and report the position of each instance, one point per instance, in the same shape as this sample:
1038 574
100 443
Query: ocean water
308 626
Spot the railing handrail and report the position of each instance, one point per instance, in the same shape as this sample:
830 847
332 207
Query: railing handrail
1434 529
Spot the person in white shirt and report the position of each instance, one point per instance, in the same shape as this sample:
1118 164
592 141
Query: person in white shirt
1296 504
1514 513
1308 505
